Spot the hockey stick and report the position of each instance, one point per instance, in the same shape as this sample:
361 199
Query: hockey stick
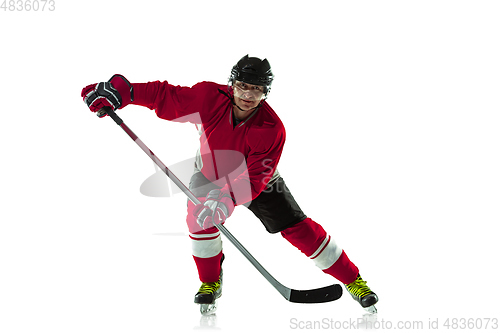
320 295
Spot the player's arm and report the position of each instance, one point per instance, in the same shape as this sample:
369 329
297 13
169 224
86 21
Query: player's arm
169 102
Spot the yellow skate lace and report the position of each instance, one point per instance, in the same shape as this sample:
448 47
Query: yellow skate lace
358 288
209 287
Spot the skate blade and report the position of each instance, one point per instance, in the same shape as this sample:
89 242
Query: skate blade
208 309
371 309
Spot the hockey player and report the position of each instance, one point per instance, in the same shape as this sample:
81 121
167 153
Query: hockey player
241 143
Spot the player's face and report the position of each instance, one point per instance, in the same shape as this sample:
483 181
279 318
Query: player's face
247 96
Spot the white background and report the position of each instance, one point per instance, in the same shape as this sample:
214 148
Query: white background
392 117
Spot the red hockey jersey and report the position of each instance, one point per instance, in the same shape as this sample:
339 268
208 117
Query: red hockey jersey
242 158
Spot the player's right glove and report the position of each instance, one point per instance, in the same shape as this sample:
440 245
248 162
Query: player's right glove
217 207
116 94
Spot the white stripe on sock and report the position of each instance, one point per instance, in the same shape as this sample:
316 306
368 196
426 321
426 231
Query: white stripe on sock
327 255
206 248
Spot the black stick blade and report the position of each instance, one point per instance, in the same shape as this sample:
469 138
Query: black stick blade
320 295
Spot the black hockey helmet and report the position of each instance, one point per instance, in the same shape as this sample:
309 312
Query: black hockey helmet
252 70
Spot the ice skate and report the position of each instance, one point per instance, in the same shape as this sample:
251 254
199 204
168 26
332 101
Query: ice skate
361 293
208 294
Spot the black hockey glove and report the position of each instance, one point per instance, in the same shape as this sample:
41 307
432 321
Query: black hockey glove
116 94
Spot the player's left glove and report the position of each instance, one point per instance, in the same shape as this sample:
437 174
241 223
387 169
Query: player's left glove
217 207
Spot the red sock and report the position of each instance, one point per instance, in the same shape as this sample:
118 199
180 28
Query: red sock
312 240
343 269
209 268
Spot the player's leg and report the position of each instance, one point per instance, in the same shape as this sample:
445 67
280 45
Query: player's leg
279 212
207 252
312 240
